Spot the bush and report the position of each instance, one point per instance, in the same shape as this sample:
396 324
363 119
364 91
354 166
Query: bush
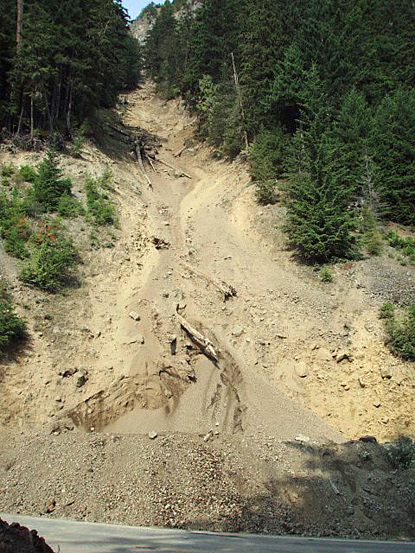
27 173
7 170
69 206
326 275
100 209
75 148
404 245
387 311
48 185
50 262
400 333
12 327
14 229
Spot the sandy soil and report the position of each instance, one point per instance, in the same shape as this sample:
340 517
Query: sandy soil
278 379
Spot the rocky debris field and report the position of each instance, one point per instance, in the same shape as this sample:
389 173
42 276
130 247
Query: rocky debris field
252 484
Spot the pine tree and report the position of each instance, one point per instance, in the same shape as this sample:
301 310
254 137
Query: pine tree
320 220
394 153
352 129
49 186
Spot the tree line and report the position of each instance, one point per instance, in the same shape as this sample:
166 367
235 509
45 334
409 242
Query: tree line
62 61
324 90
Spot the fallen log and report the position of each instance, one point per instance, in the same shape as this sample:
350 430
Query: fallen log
174 168
150 162
179 153
140 163
227 291
201 341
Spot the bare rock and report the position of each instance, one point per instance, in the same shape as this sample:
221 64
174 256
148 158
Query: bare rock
301 369
237 331
386 373
134 315
81 380
343 356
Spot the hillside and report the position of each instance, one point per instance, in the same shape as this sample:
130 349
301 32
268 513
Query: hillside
246 443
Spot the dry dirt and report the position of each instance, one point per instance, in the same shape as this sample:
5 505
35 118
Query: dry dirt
240 442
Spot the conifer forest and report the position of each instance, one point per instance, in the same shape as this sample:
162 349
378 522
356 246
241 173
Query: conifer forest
60 62
319 94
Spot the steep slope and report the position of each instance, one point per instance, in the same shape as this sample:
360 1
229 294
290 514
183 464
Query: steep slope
299 363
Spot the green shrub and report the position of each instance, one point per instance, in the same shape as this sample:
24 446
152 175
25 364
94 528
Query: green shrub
7 170
326 275
100 209
14 228
69 206
374 244
105 179
405 245
28 173
48 185
401 452
75 148
50 262
12 327
387 311
401 332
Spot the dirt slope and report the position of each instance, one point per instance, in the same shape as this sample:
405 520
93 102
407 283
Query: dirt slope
103 362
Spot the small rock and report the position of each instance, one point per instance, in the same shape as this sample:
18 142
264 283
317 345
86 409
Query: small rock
386 373
369 327
362 383
341 356
376 403
152 435
385 420
208 436
134 315
368 439
237 331
50 505
81 380
301 369
301 438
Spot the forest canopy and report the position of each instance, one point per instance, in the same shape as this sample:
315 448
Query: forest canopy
322 89
61 61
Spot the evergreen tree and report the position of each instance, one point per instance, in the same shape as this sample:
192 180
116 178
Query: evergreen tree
352 129
394 153
48 185
264 38
320 221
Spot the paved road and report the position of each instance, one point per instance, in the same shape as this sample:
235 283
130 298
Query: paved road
82 537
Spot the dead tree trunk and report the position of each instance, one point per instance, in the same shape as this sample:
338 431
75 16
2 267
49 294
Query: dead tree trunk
140 163
201 341
20 6
239 97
